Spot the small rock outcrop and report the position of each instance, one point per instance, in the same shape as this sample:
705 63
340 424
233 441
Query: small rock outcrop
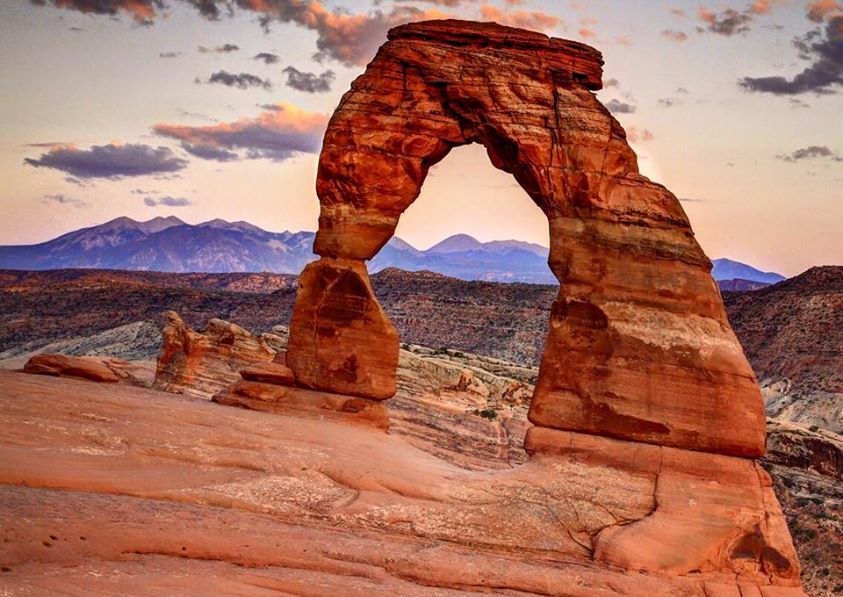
99 369
202 364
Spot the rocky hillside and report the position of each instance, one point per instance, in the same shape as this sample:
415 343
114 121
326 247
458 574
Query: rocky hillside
792 333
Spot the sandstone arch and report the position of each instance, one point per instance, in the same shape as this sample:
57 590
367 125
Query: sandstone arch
639 346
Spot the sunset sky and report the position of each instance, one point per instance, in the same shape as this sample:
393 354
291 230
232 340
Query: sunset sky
216 109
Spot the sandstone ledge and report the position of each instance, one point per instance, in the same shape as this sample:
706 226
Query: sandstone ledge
229 499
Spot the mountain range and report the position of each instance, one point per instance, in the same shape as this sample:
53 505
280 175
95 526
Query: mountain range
168 244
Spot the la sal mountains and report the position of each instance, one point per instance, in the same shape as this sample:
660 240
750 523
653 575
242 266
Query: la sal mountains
168 244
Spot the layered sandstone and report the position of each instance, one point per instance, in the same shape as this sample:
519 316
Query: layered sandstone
306 504
341 340
639 347
201 364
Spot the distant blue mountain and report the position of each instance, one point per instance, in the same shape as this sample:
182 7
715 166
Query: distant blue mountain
726 269
171 245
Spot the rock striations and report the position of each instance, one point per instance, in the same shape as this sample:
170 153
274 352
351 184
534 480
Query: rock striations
639 346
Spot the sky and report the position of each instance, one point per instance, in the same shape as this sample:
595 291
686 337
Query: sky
210 109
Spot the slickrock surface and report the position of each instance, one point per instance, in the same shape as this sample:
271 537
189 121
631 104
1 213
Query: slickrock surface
639 346
227 499
100 369
200 364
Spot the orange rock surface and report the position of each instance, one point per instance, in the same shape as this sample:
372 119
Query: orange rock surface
639 346
106 370
341 340
108 489
201 364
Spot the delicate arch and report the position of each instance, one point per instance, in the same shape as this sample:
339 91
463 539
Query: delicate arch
639 345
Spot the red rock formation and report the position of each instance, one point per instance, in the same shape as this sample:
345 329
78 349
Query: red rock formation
200 364
340 338
639 345
303 503
107 370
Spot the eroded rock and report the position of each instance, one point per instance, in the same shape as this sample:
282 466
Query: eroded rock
99 369
639 345
341 340
202 364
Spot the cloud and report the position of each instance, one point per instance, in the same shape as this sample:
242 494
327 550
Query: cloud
732 22
611 83
520 18
223 49
809 153
167 201
618 107
111 161
267 57
208 152
169 54
669 102
348 38
309 82
824 47
634 135
241 80
674 35
142 11
818 10
64 200
277 134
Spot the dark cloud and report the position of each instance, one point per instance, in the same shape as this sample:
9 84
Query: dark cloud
166 201
611 83
675 35
309 82
142 11
824 47
682 90
669 102
223 49
810 153
618 107
277 134
208 152
64 200
267 57
169 54
351 39
732 22
239 80
109 161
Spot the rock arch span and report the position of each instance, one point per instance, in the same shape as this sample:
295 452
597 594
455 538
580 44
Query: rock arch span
639 347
